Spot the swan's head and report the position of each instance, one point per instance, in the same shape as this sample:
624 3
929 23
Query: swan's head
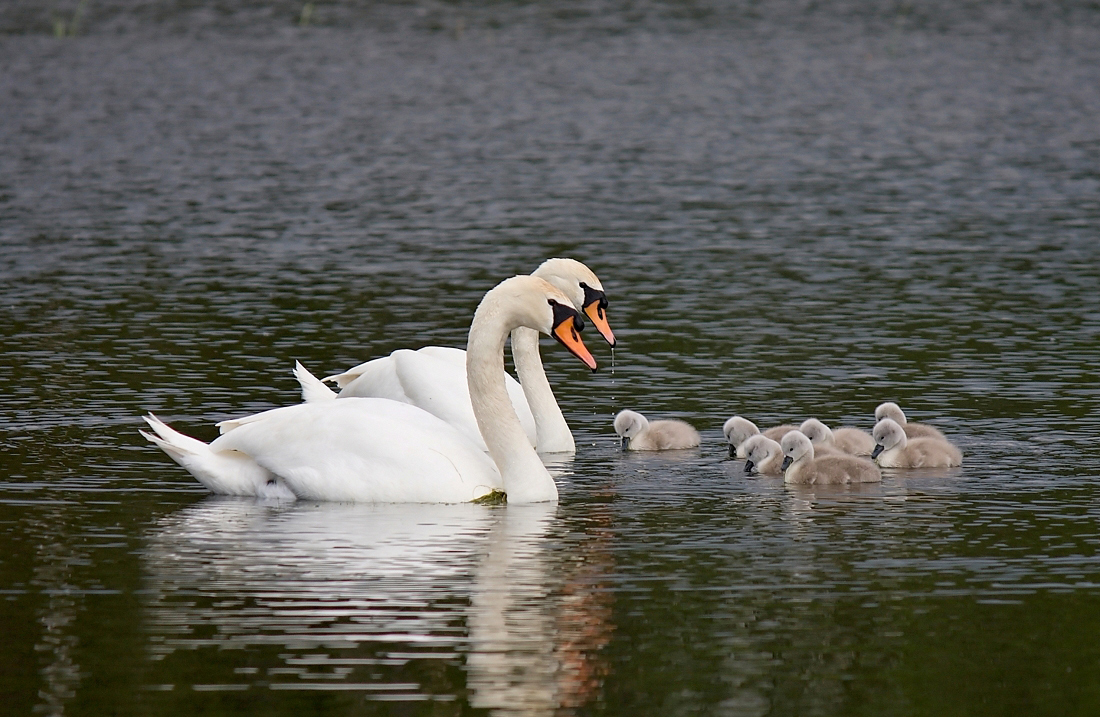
887 433
890 410
816 431
537 304
629 424
583 288
796 446
758 449
738 430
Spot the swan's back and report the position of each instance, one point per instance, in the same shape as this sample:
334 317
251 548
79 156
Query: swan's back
364 450
434 379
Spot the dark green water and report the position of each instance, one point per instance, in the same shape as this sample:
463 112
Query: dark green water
797 210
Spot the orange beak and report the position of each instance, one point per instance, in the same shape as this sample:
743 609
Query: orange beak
566 331
597 312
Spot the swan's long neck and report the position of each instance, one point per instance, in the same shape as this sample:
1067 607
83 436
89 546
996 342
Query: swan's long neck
525 478
553 435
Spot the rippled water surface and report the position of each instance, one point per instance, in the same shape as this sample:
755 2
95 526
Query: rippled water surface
797 209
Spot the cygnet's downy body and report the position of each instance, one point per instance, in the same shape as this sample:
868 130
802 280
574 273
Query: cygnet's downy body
895 450
846 440
639 434
893 411
738 430
763 456
802 467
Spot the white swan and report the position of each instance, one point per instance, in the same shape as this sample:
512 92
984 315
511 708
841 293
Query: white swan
639 434
738 430
846 440
801 466
378 450
896 450
763 456
893 411
434 377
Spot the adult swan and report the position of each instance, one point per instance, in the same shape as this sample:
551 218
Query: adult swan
434 377
383 451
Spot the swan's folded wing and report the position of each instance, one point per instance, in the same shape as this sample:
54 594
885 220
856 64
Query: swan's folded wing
364 450
457 358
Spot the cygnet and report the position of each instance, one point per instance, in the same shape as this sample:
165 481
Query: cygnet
763 455
639 434
738 430
846 440
801 466
895 450
893 411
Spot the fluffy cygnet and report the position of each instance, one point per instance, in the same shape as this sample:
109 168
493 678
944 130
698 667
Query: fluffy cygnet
763 455
638 434
893 411
738 430
895 450
801 466
846 440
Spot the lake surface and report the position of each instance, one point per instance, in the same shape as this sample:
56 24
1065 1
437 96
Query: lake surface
797 209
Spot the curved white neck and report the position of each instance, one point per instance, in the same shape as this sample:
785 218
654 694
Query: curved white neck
553 435
525 478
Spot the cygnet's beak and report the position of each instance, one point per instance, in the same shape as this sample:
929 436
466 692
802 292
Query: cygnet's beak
567 327
733 451
878 449
749 467
787 461
625 443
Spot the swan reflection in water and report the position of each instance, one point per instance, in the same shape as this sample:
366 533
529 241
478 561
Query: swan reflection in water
388 601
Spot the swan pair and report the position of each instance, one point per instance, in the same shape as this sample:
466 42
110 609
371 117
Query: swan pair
380 450
434 377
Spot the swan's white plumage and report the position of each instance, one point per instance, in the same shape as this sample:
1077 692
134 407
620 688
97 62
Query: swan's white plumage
370 450
432 378
222 473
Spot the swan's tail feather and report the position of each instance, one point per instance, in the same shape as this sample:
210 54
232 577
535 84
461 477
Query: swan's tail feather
172 441
313 389
224 473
